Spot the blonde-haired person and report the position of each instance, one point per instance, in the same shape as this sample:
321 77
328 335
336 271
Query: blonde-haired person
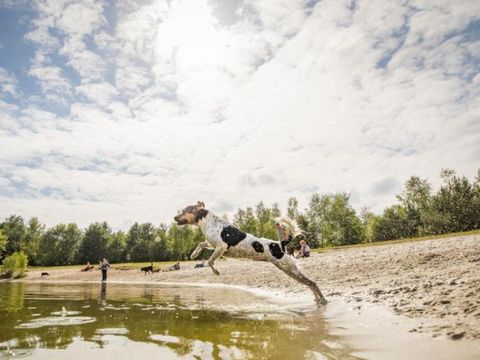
287 230
304 250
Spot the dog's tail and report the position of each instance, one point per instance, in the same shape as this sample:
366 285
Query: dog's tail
293 229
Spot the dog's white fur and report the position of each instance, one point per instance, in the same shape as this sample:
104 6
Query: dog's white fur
212 226
287 230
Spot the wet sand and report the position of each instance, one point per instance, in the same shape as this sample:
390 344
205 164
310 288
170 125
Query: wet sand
436 282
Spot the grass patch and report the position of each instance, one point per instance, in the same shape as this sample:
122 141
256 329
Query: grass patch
397 241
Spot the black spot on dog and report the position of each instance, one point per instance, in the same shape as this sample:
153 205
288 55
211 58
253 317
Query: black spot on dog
201 214
258 247
232 236
276 250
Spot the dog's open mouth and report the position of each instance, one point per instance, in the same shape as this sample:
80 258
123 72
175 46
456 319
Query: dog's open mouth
181 221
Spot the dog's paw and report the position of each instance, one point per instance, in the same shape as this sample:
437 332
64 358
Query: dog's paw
321 301
216 272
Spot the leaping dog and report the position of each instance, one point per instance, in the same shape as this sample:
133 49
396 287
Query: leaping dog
224 238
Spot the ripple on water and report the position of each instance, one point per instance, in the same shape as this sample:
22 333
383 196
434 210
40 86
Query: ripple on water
65 313
112 331
56 321
15 353
111 307
165 338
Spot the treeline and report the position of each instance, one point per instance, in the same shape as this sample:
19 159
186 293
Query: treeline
328 220
66 244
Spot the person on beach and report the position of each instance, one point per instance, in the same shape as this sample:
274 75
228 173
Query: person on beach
304 250
104 266
88 267
287 230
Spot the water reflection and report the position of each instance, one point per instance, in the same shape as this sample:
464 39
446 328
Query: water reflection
103 293
15 300
198 322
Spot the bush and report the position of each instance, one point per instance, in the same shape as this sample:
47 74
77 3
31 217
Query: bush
15 263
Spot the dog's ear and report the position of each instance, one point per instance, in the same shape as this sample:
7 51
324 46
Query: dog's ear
201 204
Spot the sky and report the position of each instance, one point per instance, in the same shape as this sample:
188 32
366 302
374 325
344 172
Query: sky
130 110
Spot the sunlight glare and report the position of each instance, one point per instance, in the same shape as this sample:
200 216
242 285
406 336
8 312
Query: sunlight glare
189 35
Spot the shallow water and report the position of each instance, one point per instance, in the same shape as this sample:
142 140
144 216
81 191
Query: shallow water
137 321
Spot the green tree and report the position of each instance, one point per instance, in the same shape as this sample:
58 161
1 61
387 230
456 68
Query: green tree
182 240
415 199
116 247
260 222
455 206
3 244
333 221
95 243
15 263
292 209
245 220
59 245
31 241
394 224
369 221
265 220
14 229
140 242
160 247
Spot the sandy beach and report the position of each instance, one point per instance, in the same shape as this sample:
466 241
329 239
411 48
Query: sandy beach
434 281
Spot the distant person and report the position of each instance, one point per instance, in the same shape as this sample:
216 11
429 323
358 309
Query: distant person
173 267
88 267
304 250
104 266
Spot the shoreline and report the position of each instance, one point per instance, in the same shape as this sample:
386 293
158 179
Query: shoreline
436 282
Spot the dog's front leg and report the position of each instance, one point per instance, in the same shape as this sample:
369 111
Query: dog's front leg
219 251
200 247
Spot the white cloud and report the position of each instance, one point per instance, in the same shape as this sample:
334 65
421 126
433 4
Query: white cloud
103 93
170 106
51 78
8 82
81 18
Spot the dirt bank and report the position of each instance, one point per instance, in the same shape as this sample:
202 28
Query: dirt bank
433 280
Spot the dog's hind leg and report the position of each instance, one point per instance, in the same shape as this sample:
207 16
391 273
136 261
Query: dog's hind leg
219 251
290 268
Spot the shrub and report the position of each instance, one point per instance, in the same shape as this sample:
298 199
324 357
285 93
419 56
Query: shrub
15 263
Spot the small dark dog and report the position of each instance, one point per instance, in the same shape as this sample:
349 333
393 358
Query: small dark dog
147 269
45 274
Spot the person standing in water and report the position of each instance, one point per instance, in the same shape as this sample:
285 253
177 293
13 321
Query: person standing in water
104 266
